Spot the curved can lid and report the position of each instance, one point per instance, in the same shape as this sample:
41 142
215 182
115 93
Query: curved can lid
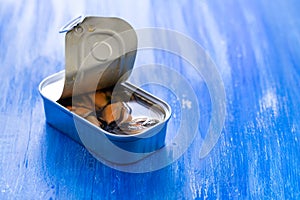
98 52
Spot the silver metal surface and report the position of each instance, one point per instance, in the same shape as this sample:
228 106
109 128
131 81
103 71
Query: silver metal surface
98 52
92 136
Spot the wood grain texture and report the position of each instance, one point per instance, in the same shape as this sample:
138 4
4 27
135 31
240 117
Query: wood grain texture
255 46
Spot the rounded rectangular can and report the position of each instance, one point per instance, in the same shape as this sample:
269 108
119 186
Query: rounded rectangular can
119 149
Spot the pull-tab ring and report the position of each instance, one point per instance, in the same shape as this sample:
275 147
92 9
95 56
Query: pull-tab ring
71 24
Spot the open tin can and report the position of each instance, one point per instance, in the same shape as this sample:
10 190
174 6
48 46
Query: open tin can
91 101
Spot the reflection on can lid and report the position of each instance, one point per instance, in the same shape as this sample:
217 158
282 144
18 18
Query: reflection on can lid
99 51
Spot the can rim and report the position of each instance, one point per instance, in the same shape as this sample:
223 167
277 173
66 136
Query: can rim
56 76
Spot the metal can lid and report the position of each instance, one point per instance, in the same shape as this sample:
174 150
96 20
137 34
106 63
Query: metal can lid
98 52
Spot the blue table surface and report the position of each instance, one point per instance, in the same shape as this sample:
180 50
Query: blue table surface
255 46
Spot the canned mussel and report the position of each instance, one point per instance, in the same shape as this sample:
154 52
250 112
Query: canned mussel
115 114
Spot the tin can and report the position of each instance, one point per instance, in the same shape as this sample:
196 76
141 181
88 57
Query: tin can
99 54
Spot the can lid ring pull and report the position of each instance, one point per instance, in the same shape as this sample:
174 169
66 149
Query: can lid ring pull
71 24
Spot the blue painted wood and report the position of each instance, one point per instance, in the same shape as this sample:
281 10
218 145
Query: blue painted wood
255 46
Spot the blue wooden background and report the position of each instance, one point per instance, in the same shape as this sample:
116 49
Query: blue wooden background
256 47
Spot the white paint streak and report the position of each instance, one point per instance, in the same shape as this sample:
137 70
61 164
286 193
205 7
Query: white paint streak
218 42
186 104
269 101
